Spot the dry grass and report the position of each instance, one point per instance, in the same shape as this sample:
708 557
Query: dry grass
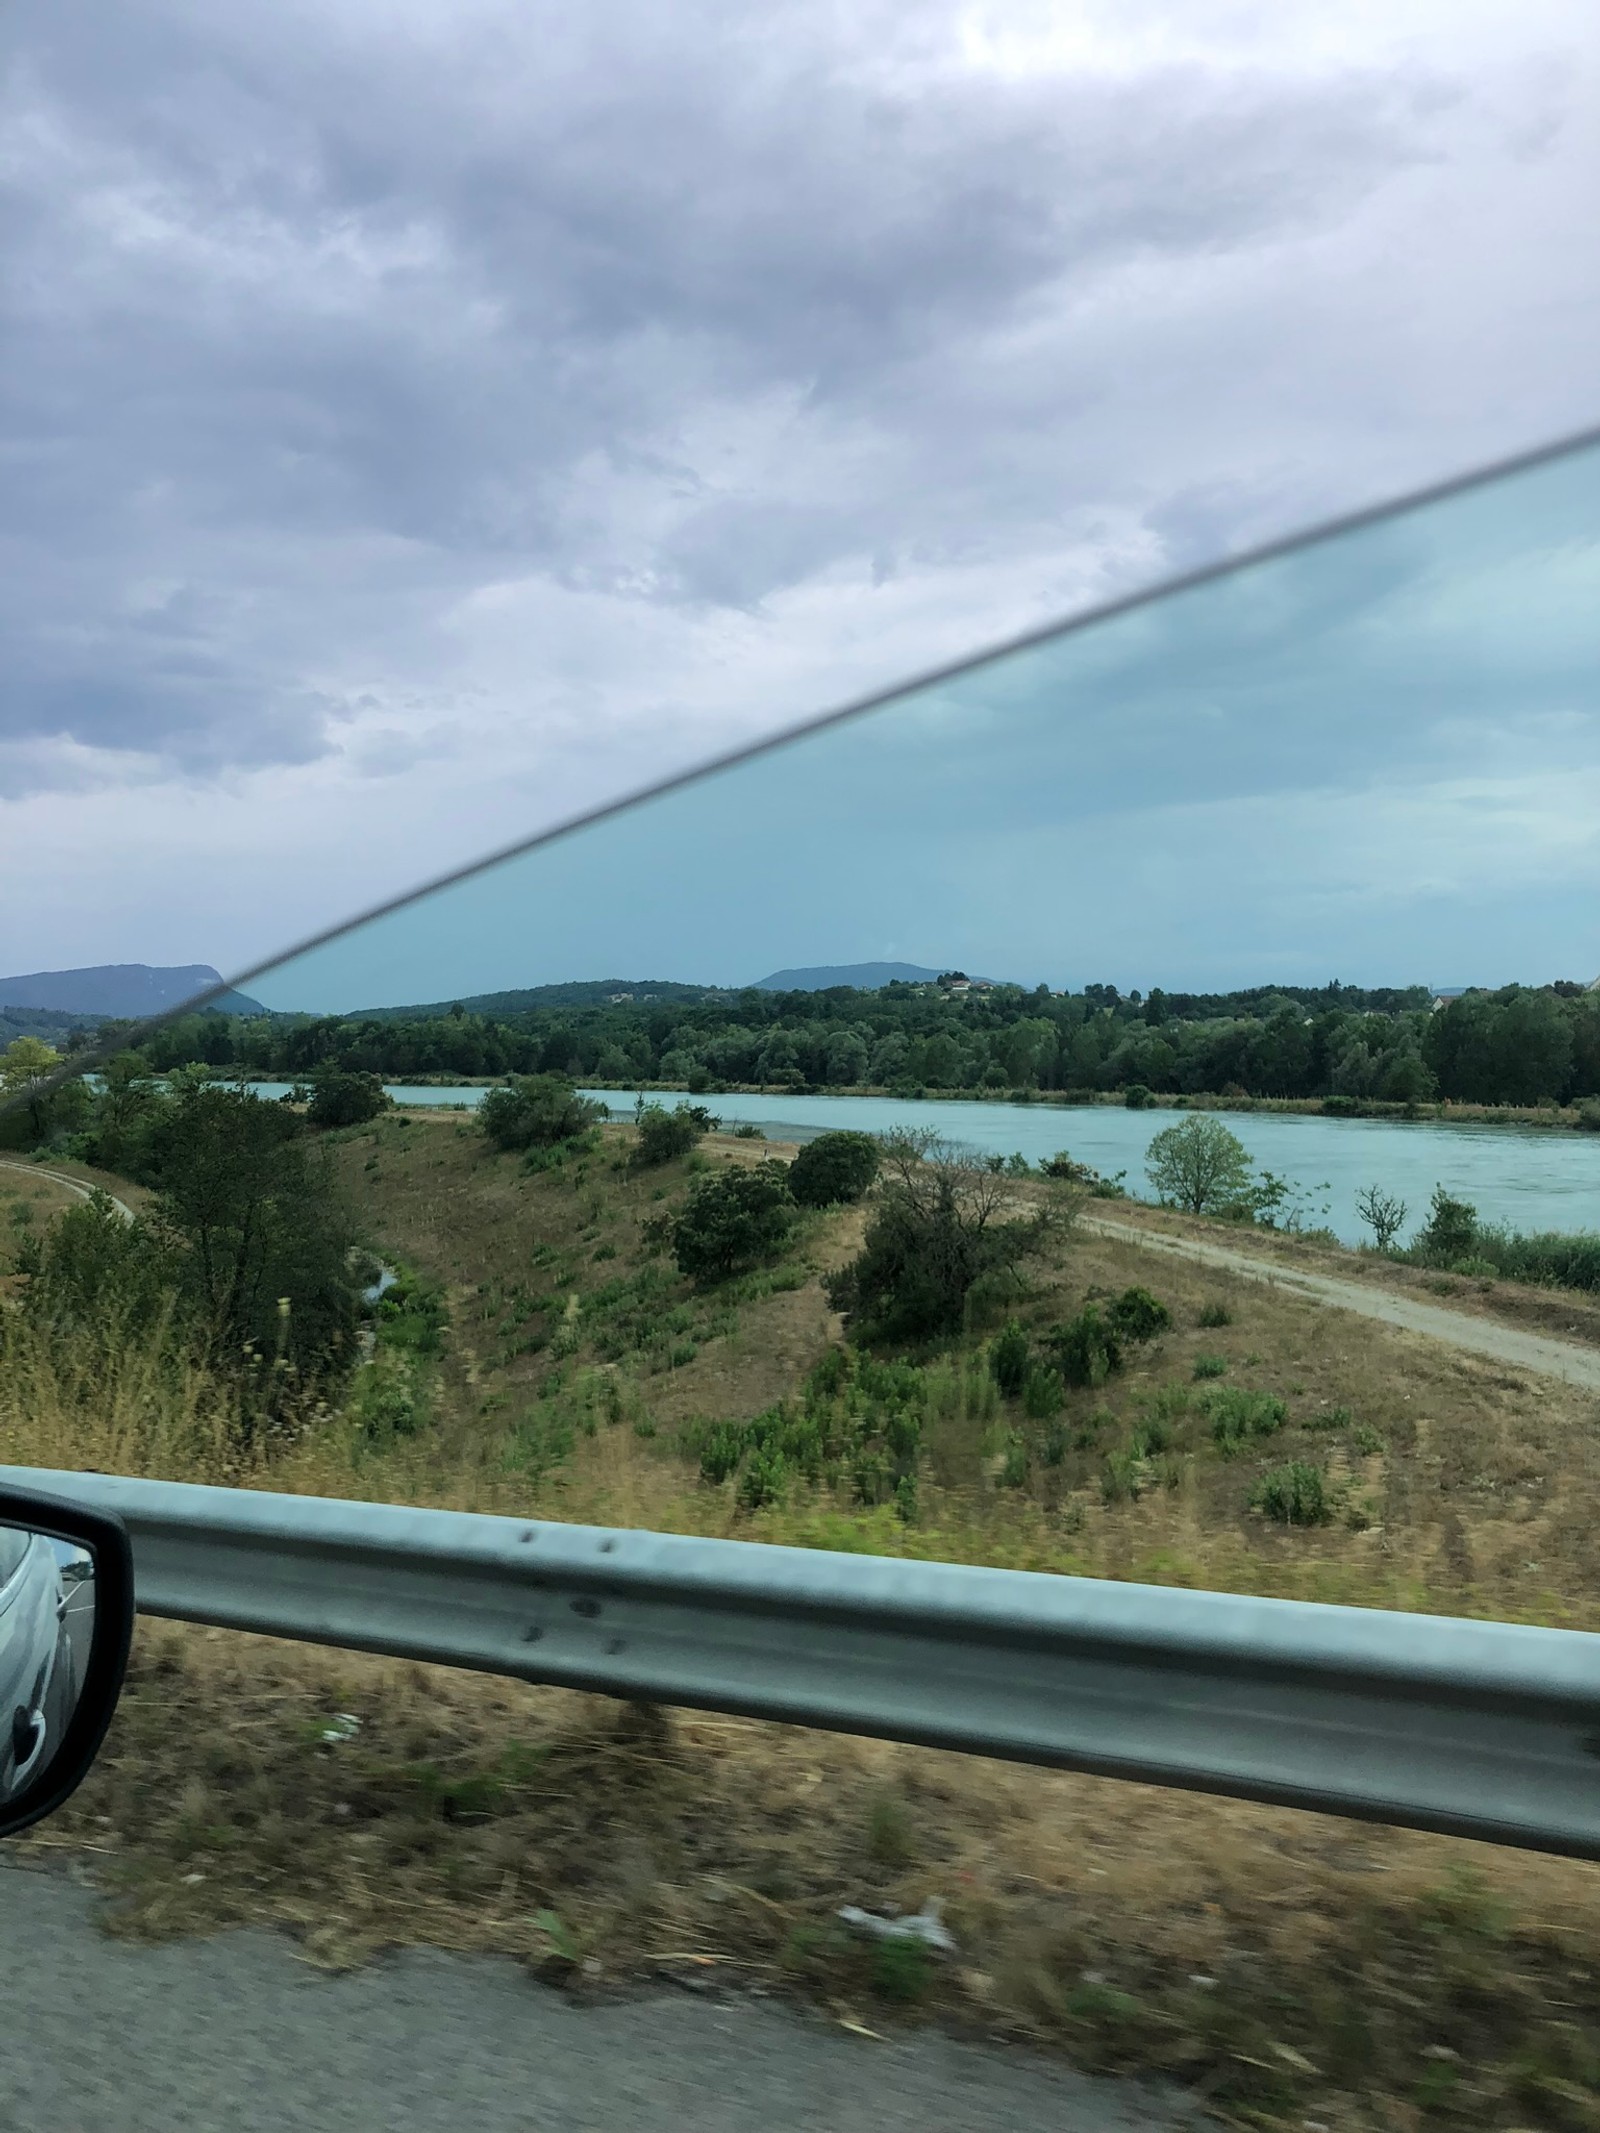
26 1204
1566 1313
1294 1967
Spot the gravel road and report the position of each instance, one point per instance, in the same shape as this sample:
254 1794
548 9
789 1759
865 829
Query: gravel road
73 1185
1579 1365
238 2033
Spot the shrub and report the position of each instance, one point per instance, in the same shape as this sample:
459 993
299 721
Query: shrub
1198 1165
765 1479
343 1099
721 1451
733 1221
1137 1097
1214 1314
1237 1416
1294 1495
1063 1165
664 1135
745 1131
1086 1348
1329 1418
536 1111
1010 1358
1014 1471
1451 1230
1341 1107
834 1168
1383 1212
1139 1316
1589 1116
1124 1477
1546 1257
937 1247
1210 1366
1043 1394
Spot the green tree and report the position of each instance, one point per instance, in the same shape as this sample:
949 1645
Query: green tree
733 1221
666 1132
834 1168
263 1245
25 1069
1199 1166
1451 1231
847 1059
124 1111
536 1111
940 1233
342 1098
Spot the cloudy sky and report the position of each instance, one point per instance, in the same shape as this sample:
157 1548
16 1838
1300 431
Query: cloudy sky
422 421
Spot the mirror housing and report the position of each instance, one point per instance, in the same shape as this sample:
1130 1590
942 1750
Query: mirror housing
42 1762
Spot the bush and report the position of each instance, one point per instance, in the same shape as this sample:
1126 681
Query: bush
1089 1347
1294 1495
733 1221
1547 1257
1238 1416
1086 1348
1210 1366
1589 1116
721 1451
1138 1098
1383 1212
664 1135
1010 1358
1063 1165
935 1246
1451 1231
1139 1316
1214 1314
344 1099
834 1168
1199 1166
536 1111
1043 1394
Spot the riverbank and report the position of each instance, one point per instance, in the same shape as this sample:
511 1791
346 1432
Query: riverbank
1572 1118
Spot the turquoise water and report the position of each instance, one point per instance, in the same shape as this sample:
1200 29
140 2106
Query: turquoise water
1524 1177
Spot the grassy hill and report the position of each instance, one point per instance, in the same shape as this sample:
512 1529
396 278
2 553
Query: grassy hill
545 1357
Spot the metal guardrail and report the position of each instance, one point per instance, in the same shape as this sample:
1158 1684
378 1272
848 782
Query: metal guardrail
1481 1729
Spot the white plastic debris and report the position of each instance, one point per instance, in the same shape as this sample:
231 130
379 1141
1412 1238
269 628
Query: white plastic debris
925 1925
345 1727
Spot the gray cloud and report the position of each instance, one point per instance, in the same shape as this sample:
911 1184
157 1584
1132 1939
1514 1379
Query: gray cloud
322 323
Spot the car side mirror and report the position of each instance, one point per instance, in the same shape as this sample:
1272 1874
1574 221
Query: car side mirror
66 1618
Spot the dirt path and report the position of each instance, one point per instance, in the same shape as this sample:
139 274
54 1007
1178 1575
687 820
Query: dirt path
1474 1336
73 1185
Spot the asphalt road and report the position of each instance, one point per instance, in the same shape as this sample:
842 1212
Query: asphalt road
237 2033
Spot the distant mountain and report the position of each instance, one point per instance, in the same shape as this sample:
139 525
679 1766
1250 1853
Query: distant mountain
578 992
120 991
865 977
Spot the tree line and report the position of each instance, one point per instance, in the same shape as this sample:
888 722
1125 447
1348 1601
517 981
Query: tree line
1518 1045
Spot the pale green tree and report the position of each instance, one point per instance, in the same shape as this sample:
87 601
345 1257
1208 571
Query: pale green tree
1199 1166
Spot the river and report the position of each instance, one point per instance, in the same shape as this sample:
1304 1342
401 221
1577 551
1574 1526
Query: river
1528 1179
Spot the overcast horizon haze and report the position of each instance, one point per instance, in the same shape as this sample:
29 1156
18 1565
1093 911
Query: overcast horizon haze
423 424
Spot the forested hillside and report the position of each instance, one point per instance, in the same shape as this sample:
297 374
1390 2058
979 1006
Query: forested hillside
1518 1045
